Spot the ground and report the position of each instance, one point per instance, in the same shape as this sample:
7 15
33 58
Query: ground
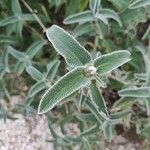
32 133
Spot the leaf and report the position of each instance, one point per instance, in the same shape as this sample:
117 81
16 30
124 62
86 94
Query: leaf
4 57
90 131
115 83
6 39
36 88
8 20
52 70
2 71
95 111
20 66
108 132
102 18
124 102
81 29
147 33
35 47
64 87
139 3
102 29
147 103
16 18
35 74
132 15
16 8
86 117
53 133
135 92
109 13
81 17
86 144
140 76
97 97
18 55
120 115
107 63
65 44
18 29
95 6
120 5
74 6
108 45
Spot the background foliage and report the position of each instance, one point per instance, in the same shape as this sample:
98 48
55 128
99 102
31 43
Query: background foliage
115 96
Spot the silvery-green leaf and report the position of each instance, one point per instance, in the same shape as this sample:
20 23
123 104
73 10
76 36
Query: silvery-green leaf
69 98
16 18
109 45
83 28
4 56
2 71
52 70
97 97
16 8
86 117
95 6
135 92
107 63
64 87
20 66
139 3
65 44
6 39
18 55
129 15
116 82
124 102
109 13
101 17
140 76
90 131
35 74
120 115
18 29
102 29
120 5
36 88
147 102
147 34
35 47
53 132
8 20
108 132
95 111
86 144
81 17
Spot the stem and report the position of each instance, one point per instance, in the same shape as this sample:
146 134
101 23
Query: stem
33 13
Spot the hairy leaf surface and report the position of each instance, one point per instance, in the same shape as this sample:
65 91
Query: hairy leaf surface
81 17
107 63
35 74
135 92
139 3
65 44
64 87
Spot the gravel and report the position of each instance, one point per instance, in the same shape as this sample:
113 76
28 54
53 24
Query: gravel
25 134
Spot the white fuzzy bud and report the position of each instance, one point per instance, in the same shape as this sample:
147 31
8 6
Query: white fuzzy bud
91 70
